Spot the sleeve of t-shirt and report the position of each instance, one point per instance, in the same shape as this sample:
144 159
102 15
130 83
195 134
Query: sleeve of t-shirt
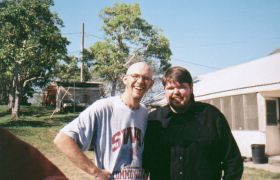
82 128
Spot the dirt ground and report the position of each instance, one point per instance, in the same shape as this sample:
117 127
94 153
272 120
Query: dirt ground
74 173
68 168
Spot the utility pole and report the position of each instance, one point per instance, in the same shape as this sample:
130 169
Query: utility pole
82 53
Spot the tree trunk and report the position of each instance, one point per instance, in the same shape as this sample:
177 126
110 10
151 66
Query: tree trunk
58 100
16 97
15 108
114 87
11 102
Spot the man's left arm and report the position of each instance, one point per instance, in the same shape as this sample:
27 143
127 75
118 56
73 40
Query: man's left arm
232 161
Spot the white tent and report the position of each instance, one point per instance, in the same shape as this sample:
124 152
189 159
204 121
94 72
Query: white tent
259 75
248 94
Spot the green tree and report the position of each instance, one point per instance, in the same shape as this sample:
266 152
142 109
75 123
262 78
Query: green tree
4 88
128 38
68 70
31 44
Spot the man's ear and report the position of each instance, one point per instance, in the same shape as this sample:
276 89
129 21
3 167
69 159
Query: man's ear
124 79
191 87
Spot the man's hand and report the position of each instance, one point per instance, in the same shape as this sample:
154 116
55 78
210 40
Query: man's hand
101 174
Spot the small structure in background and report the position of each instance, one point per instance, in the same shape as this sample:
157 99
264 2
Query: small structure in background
71 95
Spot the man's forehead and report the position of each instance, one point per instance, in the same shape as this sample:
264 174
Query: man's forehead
139 68
176 84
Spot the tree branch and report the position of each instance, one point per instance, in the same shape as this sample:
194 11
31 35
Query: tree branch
32 79
131 58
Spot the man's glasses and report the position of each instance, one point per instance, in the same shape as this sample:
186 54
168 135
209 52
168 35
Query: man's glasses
138 76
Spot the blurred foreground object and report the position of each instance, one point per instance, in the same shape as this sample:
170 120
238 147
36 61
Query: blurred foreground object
20 160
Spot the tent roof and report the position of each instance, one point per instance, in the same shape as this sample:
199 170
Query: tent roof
248 77
78 84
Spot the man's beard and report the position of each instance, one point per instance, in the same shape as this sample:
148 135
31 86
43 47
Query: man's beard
183 108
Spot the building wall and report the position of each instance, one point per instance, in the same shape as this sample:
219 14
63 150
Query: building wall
272 131
49 95
273 140
241 111
84 96
237 107
81 96
261 112
247 117
251 109
244 139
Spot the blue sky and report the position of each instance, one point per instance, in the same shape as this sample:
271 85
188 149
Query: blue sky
204 35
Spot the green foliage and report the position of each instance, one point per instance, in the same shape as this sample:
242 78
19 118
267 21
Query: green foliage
4 88
30 37
69 71
31 44
109 62
128 38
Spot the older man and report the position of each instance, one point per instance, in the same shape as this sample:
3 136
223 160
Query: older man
114 127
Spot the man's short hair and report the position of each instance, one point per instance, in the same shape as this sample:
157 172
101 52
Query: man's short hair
177 74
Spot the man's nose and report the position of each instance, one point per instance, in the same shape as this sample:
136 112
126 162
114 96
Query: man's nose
175 91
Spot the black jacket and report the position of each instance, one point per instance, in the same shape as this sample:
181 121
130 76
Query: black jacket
196 145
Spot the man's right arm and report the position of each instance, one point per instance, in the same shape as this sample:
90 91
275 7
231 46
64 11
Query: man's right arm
69 147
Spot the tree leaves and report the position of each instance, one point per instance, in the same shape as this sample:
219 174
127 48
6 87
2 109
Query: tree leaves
30 42
127 35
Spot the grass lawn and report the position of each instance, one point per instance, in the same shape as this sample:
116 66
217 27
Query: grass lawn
257 174
36 128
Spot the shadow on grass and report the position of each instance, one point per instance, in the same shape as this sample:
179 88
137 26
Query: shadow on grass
21 131
4 113
64 118
35 111
36 116
47 122
21 123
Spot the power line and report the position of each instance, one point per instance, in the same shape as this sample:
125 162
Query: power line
231 42
74 52
79 33
202 45
71 33
89 34
196 64
176 59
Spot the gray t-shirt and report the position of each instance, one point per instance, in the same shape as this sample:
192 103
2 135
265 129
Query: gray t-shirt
116 133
